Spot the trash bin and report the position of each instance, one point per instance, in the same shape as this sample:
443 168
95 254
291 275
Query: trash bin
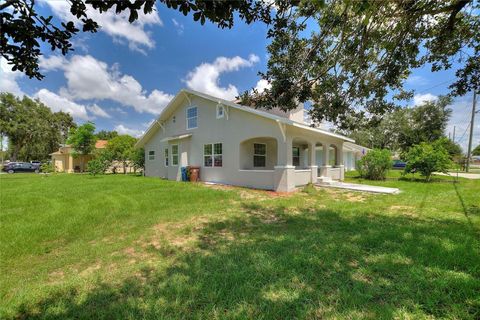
184 173
194 173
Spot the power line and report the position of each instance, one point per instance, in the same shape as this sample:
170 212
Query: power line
463 135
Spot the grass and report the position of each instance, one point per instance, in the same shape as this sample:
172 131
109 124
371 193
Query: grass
74 246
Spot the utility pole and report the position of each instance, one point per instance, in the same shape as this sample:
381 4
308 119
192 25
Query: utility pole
454 133
469 153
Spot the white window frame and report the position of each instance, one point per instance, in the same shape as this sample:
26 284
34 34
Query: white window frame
177 154
151 157
187 118
220 107
259 155
212 156
165 156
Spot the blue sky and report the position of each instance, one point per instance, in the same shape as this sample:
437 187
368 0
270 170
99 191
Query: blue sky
121 77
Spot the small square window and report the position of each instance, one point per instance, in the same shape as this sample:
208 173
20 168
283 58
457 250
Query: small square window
151 155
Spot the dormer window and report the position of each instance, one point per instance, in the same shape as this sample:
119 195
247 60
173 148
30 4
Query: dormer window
220 111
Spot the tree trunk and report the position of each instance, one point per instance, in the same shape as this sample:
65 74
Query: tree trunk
16 150
124 167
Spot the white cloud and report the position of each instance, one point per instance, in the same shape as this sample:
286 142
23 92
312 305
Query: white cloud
53 62
121 129
417 80
205 77
262 84
58 103
115 25
179 26
89 78
97 111
419 99
8 79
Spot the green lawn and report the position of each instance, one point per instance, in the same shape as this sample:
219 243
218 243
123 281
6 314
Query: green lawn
127 247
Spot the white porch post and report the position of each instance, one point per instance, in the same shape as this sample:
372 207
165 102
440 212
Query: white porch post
340 163
324 170
313 161
284 178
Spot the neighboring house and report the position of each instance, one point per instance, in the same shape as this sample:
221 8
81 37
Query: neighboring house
240 145
64 160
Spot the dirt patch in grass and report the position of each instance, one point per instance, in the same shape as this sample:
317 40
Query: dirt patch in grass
405 210
252 194
355 197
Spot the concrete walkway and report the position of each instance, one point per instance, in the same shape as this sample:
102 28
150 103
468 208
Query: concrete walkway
460 175
359 187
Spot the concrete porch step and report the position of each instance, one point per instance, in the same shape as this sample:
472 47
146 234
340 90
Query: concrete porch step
325 180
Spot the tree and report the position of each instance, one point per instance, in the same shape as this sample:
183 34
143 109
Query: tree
427 158
82 139
375 164
454 150
427 123
100 163
138 159
122 149
405 127
23 28
358 54
106 135
476 151
32 129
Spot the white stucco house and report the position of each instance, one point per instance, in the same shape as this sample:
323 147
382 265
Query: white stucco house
239 145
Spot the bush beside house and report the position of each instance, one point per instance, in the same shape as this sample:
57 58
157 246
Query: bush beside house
375 164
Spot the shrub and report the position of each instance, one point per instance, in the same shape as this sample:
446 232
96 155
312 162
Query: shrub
47 168
427 158
96 166
375 164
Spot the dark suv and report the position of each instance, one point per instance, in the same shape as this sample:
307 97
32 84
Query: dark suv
14 167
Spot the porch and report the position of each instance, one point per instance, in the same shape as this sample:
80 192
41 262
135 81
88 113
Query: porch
283 165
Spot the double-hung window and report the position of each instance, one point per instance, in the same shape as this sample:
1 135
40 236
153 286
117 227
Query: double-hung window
213 155
175 155
151 155
296 156
192 118
259 154
165 155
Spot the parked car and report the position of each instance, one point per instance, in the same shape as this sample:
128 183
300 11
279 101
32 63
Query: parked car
399 164
14 167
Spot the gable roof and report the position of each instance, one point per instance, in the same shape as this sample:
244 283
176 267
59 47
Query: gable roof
184 94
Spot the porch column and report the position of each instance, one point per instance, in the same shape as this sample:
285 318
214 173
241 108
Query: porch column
313 161
324 170
340 163
284 176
